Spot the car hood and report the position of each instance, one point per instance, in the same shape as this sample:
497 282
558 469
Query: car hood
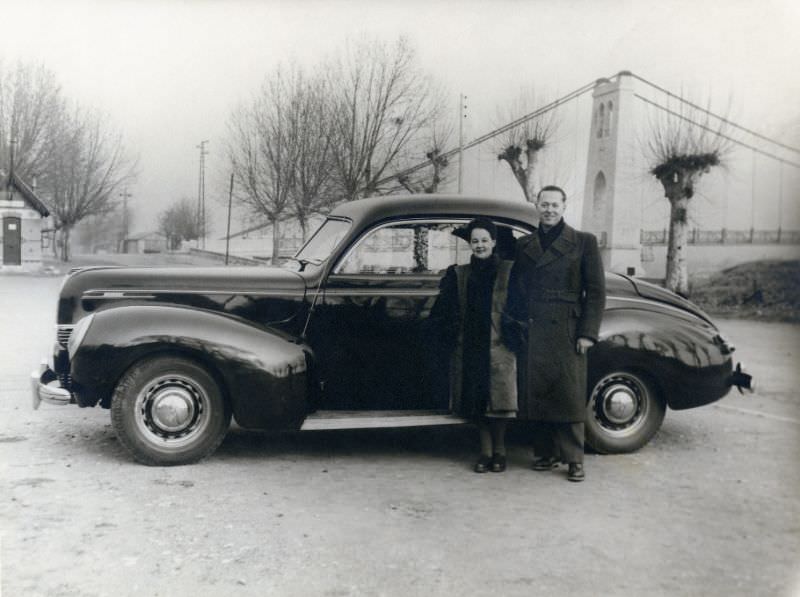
188 286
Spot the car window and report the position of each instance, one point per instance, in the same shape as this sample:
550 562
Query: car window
322 242
415 248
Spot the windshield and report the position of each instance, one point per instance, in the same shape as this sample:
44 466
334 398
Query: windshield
321 244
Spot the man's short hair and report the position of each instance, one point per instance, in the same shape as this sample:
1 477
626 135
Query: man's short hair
552 187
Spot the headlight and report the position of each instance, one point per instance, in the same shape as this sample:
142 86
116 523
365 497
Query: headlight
78 334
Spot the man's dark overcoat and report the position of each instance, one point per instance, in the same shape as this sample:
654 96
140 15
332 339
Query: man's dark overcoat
555 296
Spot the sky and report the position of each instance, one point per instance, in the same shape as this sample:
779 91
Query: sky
169 72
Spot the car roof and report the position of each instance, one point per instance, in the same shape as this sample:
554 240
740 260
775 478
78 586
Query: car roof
378 208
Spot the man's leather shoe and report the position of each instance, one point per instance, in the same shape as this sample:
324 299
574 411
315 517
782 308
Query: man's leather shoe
498 463
575 472
483 464
545 464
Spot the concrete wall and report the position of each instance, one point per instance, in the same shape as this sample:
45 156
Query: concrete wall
709 258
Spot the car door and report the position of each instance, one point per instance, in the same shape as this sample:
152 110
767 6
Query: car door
373 348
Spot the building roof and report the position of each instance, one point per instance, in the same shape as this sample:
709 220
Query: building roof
27 192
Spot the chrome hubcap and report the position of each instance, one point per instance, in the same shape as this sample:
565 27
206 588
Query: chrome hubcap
619 404
172 410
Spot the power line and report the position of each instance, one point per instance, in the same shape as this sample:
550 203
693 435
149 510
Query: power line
722 118
716 132
589 86
499 131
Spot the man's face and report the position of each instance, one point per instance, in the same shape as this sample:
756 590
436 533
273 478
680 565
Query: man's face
551 207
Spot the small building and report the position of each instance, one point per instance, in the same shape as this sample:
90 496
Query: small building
23 215
146 242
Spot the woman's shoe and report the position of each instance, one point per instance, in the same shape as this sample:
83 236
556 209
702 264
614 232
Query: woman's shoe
483 464
498 463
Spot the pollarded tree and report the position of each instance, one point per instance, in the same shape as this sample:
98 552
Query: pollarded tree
434 141
683 145
521 144
86 168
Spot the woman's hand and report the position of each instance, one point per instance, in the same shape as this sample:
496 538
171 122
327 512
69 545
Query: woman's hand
583 344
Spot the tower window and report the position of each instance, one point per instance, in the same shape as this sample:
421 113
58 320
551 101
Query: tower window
601 120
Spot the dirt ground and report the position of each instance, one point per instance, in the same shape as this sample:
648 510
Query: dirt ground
710 507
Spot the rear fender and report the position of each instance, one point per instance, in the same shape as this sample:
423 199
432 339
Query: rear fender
683 356
264 372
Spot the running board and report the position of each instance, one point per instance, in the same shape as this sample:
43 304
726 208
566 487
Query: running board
374 419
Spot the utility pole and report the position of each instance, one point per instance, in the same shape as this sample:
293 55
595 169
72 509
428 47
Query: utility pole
228 233
462 114
201 193
10 188
125 195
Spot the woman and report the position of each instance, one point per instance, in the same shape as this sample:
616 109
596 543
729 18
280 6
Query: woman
482 370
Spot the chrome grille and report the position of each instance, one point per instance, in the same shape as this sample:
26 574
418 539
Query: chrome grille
63 332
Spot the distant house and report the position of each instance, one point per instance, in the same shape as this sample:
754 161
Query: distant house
146 242
24 217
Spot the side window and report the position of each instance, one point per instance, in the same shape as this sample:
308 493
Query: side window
417 248
406 248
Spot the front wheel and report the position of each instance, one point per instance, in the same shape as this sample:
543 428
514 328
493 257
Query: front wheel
624 412
169 410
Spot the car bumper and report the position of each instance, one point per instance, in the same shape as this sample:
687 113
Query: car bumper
45 387
741 380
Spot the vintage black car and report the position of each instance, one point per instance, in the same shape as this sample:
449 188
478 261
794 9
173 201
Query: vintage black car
337 338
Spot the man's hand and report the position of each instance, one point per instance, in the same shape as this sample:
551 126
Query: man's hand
583 344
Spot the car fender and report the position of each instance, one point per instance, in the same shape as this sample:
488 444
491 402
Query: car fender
263 372
683 354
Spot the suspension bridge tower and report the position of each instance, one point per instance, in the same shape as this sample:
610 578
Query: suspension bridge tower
610 201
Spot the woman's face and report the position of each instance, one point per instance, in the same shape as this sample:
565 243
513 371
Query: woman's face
481 243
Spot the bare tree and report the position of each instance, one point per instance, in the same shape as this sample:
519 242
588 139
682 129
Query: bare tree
435 140
683 145
311 123
179 222
85 168
380 104
263 150
30 104
521 144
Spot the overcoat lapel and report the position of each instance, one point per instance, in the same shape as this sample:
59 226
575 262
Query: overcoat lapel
560 247
533 248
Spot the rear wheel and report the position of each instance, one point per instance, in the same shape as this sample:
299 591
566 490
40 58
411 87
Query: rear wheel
624 412
169 410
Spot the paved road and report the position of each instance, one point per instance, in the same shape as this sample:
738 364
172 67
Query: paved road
710 507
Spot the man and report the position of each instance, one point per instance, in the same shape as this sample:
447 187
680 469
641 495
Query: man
556 298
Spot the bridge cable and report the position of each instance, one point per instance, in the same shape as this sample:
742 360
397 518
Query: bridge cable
711 130
723 119
513 124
